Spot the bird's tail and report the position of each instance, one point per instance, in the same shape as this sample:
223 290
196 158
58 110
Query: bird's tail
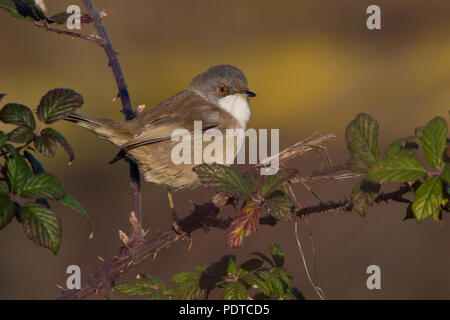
114 131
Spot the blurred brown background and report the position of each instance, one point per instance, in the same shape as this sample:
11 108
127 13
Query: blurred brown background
314 66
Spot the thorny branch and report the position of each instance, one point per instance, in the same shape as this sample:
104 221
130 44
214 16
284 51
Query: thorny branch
205 216
135 193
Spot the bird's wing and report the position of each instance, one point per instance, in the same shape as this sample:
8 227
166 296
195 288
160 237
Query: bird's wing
179 112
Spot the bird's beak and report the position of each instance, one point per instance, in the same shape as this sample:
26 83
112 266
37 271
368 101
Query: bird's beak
249 93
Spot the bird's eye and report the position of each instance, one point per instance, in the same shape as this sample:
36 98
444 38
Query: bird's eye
222 89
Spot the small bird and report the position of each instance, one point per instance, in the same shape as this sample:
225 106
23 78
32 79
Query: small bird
218 98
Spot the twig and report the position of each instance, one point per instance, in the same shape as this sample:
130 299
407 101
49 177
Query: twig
135 194
48 27
203 216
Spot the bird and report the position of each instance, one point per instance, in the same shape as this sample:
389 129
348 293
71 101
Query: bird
218 98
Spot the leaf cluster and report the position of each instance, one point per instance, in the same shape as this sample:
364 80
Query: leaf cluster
25 186
260 277
400 164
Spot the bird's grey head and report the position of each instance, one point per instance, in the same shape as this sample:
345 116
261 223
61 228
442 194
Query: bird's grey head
219 82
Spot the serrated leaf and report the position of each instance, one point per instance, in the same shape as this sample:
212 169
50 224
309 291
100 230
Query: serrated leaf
232 268
44 185
45 145
7 210
276 286
405 147
277 254
57 104
17 114
251 264
362 142
434 141
188 286
362 198
223 179
156 281
234 290
17 172
279 205
254 280
427 199
41 225
245 223
397 169
56 137
136 288
25 10
21 135
72 203
273 182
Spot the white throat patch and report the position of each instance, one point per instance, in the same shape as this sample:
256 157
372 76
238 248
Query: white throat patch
237 106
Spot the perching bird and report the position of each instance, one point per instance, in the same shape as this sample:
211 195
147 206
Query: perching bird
217 97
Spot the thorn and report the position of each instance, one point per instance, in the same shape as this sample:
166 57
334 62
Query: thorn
190 242
140 109
96 291
116 257
123 238
116 97
101 259
154 256
145 233
59 286
103 14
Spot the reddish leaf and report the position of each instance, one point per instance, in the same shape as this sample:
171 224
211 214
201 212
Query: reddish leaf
245 222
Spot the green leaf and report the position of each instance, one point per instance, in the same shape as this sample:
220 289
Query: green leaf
277 254
397 169
264 257
276 286
72 203
7 210
273 182
234 290
17 172
44 185
243 224
361 136
21 135
251 264
232 268
25 10
45 145
136 288
50 134
188 286
428 198
445 175
3 137
154 280
17 114
4 192
279 205
57 104
41 225
363 197
223 179
254 280
434 141
394 148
